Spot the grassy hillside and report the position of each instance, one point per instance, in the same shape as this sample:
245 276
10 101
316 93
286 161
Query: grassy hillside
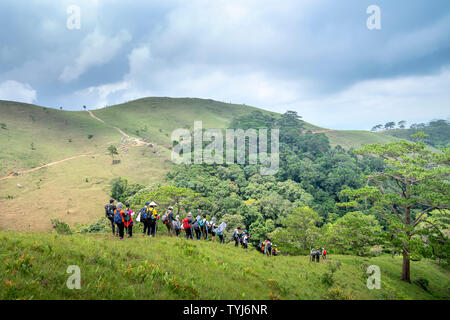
34 267
74 187
354 138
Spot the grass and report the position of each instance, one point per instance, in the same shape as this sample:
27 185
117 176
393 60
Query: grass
33 266
355 138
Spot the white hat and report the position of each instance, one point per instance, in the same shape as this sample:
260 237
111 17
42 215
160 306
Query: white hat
152 204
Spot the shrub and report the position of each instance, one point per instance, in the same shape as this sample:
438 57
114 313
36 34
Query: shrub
337 293
90 136
61 227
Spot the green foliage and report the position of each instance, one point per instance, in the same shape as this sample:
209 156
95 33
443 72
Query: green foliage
355 233
436 133
299 232
121 190
90 136
60 226
414 182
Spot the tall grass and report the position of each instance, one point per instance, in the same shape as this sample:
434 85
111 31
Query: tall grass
33 266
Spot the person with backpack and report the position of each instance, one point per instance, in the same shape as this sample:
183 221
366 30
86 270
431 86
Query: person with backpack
143 217
211 227
187 226
268 247
128 220
176 225
197 228
109 212
245 238
167 219
204 227
220 232
118 219
153 217
236 236
261 246
275 250
324 254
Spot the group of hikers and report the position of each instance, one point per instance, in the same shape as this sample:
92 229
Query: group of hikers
315 254
122 219
268 248
198 228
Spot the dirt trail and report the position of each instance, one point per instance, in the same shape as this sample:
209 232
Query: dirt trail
127 141
319 131
43 166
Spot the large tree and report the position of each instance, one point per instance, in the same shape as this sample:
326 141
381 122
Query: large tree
414 182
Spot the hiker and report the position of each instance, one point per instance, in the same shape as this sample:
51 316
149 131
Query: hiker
242 238
143 217
236 236
220 230
268 247
245 240
315 255
128 220
167 219
261 246
197 228
187 226
109 211
153 217
275 250
176 225
324 254
211 227
204 227
118 219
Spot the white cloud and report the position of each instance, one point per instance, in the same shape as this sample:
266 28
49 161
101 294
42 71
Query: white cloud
16 91
367 103
96 50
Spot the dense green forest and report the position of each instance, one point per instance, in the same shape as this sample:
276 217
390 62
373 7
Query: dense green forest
383 198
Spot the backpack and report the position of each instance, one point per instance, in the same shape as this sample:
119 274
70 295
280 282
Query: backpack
196 225
164 219
109 211
150 215
126 216
118 216
186 223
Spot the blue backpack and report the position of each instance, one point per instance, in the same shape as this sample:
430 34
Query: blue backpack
117 217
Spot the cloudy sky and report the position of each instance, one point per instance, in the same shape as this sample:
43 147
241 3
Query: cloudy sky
314 56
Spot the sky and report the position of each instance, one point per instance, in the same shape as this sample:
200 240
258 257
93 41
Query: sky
316 57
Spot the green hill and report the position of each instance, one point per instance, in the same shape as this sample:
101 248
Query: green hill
72 146
34 267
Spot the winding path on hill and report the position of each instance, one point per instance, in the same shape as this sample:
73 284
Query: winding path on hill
135 142
126 140
43 166
319 131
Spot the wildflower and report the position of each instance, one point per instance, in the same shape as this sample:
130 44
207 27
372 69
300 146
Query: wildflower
8 283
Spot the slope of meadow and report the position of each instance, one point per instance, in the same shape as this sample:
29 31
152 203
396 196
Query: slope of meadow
34 267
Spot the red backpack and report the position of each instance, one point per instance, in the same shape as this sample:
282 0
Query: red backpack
186 223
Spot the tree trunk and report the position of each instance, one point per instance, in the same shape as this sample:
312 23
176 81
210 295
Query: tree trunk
406 267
